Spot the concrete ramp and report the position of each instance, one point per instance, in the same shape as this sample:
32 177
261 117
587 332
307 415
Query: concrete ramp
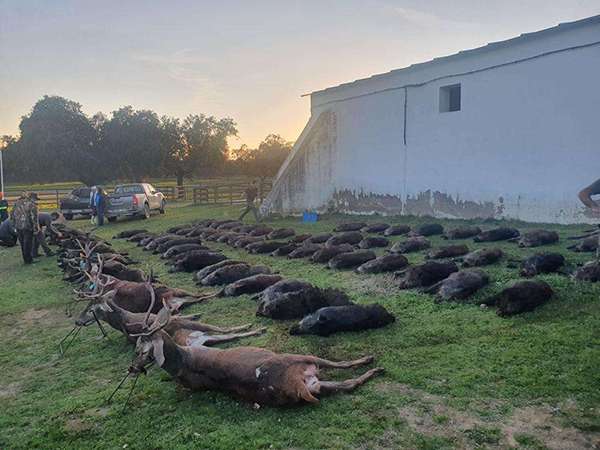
305 180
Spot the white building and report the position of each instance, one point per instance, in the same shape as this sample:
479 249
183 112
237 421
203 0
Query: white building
511 129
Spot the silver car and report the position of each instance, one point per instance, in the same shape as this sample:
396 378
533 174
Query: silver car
138 199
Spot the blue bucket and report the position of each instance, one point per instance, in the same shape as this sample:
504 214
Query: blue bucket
310 217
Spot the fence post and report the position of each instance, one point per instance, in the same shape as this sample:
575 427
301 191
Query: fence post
57 201
216 193
231 194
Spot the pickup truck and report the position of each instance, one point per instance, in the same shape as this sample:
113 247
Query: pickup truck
77 203
138 199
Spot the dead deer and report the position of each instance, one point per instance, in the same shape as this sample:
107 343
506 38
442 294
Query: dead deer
251 373
183 329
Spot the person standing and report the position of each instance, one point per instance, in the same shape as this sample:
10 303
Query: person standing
24 217
45 223
3 208
100 202
251 194
93 193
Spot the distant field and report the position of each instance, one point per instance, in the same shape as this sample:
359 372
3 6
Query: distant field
457 376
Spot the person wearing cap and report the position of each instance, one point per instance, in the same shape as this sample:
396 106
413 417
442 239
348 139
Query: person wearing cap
24 217
3 208
45 224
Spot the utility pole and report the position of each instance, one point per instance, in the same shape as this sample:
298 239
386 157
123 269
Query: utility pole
1 172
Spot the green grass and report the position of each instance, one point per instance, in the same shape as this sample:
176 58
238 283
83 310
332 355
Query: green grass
446 364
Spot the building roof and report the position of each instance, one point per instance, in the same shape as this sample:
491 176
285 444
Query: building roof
484 49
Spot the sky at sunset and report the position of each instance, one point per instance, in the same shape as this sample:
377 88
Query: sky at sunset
249 60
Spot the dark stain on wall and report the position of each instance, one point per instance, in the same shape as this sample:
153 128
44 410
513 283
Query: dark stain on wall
425 203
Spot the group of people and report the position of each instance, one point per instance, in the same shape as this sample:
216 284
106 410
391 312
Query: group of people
27 226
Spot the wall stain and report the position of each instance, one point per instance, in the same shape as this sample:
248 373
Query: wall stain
426 203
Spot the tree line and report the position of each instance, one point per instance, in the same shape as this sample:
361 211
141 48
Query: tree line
59 142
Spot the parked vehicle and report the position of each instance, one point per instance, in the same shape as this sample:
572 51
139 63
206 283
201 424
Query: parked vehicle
77 203
134 200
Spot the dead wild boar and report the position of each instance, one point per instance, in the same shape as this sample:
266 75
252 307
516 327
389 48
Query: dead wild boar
523 296
264 246
128 233
261 231
482 257
326 253
413 244
285 249
375 228
536 238
589 272
351 259
212 267
305 250
459 285
374 242
320 238
250 285
542 263
448 251
426 274
350 226
293 299
242 242
231 273
140 236
497 234
196 260
385 263
281 233
465 232
333 319
587 245
396 230
429 229
348 237
183 248
229 225
300 238
161 248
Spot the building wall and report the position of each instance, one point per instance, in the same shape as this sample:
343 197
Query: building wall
524 143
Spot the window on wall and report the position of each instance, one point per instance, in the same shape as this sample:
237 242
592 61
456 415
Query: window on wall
450 98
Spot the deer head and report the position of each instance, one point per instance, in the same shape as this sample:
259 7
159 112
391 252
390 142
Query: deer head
149 345
98 305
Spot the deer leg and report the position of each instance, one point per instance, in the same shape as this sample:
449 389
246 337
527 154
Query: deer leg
331 387
325 363
221 338
199 326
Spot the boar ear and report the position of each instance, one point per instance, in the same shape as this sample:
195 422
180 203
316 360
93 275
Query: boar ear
157 351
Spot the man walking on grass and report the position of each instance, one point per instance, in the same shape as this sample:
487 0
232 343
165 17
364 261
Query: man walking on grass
24 217
251 194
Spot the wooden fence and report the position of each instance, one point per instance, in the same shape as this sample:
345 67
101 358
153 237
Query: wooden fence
214 193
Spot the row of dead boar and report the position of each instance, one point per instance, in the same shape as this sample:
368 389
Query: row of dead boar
350 247
147 311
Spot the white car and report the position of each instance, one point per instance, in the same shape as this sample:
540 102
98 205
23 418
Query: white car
138 199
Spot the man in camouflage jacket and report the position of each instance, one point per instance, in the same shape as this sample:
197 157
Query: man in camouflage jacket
24 217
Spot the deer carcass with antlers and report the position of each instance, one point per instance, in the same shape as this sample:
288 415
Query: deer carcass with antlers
183 329
251 373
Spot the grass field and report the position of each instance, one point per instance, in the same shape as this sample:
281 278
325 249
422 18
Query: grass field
457 375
